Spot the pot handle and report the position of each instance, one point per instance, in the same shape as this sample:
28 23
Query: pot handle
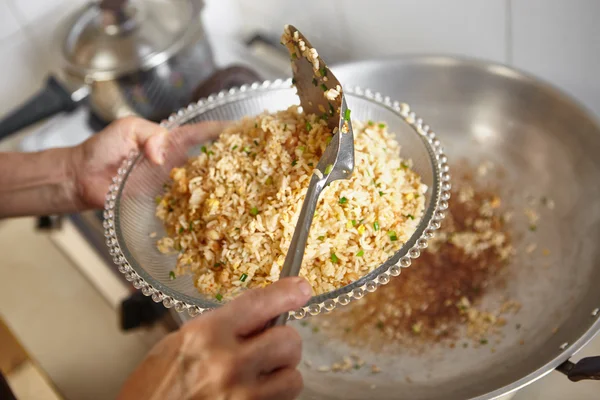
585 369
224 79
51 99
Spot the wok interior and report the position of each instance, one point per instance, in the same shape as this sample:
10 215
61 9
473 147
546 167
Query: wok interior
547 146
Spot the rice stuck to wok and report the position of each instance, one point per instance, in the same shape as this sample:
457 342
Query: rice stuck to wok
230 212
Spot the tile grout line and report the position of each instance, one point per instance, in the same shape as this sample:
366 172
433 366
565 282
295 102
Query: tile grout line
508 33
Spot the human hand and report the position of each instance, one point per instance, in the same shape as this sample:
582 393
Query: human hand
95 162
226 354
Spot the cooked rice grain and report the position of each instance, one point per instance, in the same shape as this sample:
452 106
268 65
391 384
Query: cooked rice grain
231 211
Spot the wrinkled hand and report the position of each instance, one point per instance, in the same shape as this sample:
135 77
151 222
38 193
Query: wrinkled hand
225 354
96 161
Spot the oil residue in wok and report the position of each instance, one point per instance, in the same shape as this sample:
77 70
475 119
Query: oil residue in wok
438 299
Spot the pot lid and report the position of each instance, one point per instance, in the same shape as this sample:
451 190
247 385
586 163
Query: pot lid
109 38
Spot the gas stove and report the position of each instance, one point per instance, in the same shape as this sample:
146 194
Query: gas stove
259 55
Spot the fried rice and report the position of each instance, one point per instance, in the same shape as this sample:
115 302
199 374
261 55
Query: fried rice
230 212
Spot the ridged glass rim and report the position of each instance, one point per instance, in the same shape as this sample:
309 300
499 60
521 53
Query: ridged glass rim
430 222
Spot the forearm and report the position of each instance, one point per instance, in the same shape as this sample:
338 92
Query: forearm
39 183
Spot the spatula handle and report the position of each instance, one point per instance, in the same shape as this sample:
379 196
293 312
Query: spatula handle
295 254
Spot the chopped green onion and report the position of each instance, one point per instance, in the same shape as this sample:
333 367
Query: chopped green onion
356 366
269 180
304 323
331 109
324 117
532 228
180 230
354 222
308 126
203 149
360 253
285 127
294 163
334 258
255 142
157 199
380 325
371 123
234 147
210 153
323 71
217 265
219 297
328 140
347 114
191 227
246 150
343 200
483 341
382 126
376 225
392 236
328 169
314 82
294 57
315 329
323 87
243 277
302 148
321 238
381 193
172 275
410 216
404 165
254 211
311 164
256 124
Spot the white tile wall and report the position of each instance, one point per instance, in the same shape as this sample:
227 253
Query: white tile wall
388 27
28 40
558 40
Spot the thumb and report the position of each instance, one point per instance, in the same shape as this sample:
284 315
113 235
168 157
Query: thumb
255 308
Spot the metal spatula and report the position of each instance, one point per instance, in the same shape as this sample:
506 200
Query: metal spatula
320 93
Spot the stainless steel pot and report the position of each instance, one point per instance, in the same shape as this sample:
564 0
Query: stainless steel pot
143 57
548 145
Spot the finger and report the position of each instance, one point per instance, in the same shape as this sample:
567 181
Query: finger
252 310
145 135
279 347
193 134
283 384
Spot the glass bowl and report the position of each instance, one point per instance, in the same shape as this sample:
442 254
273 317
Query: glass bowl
130 223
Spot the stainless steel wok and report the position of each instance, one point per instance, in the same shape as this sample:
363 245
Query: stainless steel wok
548 145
